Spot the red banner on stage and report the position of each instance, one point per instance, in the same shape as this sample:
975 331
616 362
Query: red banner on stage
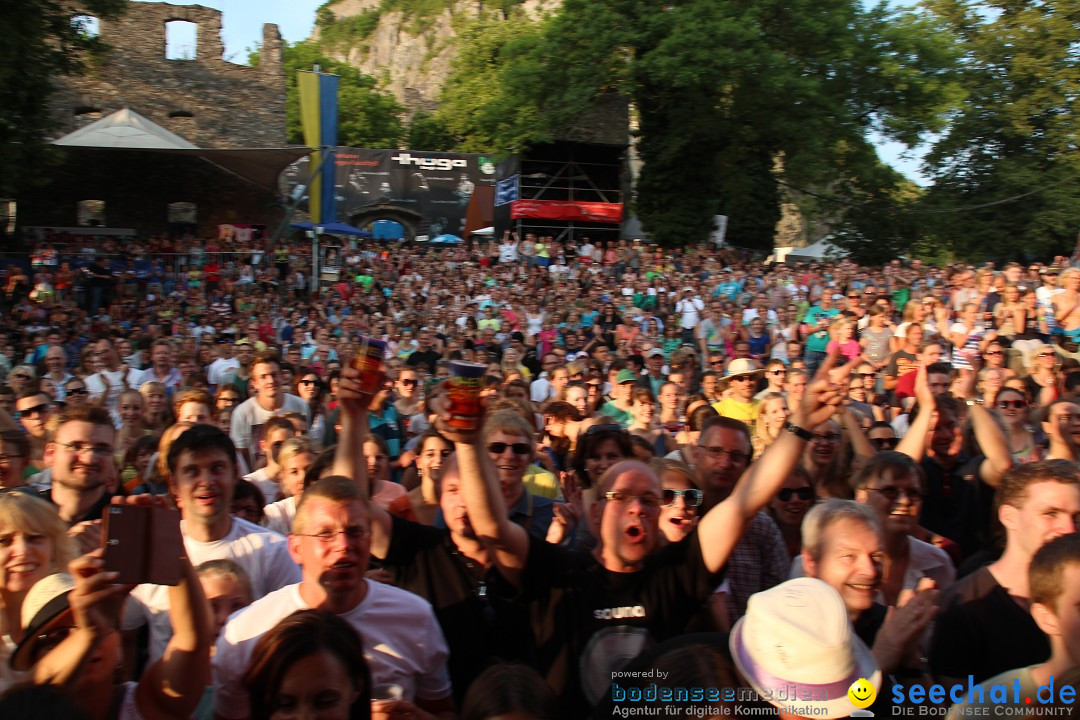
567 210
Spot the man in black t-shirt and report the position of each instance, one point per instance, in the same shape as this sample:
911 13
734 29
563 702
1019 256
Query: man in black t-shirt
449 567
426 356
984 627
593 611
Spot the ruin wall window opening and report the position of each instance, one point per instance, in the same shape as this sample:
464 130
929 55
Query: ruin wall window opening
86 25
181 40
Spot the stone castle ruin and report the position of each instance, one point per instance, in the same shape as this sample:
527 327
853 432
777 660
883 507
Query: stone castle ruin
194 92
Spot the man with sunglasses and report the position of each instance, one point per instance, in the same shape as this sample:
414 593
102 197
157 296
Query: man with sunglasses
741 381
594 608
775 377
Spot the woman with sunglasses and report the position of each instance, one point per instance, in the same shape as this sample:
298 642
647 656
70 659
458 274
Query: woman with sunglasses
1012 407
309 388
681 499
1042 379
789 507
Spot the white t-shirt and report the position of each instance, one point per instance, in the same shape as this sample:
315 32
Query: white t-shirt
249 417
218 370
263 553
95 384
278 516
270 489
403 644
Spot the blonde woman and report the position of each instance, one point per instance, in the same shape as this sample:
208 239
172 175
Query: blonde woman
772 415
156 413
34 545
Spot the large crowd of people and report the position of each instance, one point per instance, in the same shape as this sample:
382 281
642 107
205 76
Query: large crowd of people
700 485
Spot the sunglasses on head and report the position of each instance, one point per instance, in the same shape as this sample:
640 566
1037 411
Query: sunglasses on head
498 448
803 493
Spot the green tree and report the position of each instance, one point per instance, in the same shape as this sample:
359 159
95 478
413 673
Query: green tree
429 132
721 90
42 41
367 116
1006 172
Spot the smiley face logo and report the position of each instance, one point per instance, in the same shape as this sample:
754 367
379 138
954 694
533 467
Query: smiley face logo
862 693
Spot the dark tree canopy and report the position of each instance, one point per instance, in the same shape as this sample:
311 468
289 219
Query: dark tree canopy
42 41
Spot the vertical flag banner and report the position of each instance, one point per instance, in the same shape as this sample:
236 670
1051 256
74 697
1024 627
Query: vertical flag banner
318 118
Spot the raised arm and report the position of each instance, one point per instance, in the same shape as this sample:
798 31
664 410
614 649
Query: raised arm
349 459
488 515
991 438
174 685
913 444
721 528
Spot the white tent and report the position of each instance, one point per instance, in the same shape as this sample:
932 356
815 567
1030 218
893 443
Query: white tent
127 129
489 231
821 250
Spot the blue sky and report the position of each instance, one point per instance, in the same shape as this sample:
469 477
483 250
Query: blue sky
242 23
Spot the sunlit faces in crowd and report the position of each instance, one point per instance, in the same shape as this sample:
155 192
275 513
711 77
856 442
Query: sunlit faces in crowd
824 443
14 458
227 588
627 513
295 457
33 542
791 503
843 547
724 453
34 413
681 500
891 483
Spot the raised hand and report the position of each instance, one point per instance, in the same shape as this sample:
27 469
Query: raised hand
823 393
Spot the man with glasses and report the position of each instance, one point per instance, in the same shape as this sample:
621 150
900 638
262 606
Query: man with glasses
527 494
759 559
202 479
331 542
80 460
35 409
882 436
75 393
628 593
775 377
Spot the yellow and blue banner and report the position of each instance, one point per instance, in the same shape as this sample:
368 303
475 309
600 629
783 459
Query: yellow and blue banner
318 118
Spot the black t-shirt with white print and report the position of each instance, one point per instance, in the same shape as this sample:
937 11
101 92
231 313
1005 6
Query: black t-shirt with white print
588 622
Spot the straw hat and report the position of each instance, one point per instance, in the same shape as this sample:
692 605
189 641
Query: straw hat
45 609
798 633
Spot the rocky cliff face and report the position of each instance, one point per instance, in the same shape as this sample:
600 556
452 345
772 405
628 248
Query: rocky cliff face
410 52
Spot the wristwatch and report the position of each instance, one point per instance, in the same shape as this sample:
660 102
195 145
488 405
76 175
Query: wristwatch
798 431
973 401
